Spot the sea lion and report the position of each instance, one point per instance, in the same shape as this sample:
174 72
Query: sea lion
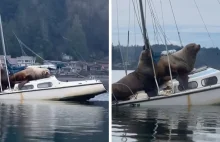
140 79
29 74
181 62
4 80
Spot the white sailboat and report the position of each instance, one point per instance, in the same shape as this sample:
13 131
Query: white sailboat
51 88
204 87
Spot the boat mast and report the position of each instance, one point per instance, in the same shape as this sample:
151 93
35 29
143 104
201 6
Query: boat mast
0 75
3 45
146 40
147 43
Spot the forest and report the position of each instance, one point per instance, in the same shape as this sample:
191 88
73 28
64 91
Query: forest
206 56
78 28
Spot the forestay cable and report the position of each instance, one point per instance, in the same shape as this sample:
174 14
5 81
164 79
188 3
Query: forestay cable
176 24
157 21
137 16
204 23
127 39
123 62
168 58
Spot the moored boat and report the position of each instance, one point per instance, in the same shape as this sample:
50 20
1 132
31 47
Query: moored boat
204 89
49 88
53 89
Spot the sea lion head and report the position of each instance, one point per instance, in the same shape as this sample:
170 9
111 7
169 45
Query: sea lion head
45 73
145 62
192 49
188 55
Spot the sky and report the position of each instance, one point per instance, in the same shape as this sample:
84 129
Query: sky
189 22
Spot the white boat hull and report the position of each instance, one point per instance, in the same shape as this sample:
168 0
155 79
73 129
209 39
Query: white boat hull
83 92
204 89
206 96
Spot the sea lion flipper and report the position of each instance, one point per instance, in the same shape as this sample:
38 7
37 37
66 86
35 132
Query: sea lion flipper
20 85
183 80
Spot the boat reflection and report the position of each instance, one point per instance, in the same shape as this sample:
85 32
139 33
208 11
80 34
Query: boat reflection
51 121
166 123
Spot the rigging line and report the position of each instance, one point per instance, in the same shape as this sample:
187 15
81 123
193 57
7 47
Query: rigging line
152 62
122 57
30 50
4 52
158 22
155 24
161 6
20 42
22 50
1 75
145 13
117 19
138 14
176 24
74 49
128 39
160 28
168 58
154 21
134 30
137 18
144 21
204 23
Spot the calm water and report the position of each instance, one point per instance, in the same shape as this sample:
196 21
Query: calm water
170 124
165 123
45 121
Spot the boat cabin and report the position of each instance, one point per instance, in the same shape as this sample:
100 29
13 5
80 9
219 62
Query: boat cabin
199 78
51 82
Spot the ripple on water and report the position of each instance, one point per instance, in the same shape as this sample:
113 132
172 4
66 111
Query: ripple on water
53 121
171 123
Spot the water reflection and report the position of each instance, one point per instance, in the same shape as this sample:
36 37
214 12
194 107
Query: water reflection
53 121
172 123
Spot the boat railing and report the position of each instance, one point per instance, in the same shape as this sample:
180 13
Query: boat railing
199 69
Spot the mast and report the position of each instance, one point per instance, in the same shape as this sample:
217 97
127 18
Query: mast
3 45
0 74
146 40
147 43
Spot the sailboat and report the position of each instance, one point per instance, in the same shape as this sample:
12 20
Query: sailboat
204 87
51 88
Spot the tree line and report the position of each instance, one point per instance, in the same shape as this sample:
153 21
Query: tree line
52 27
205 57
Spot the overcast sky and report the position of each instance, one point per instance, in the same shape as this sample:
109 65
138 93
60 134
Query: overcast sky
187 17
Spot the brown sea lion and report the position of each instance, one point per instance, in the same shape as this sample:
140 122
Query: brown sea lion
141 79
29 74
182 63
4 80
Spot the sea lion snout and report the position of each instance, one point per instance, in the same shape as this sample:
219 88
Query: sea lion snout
192 48
45 74
197 47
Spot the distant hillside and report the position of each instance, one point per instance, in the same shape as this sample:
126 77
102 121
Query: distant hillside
206 56
52 27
